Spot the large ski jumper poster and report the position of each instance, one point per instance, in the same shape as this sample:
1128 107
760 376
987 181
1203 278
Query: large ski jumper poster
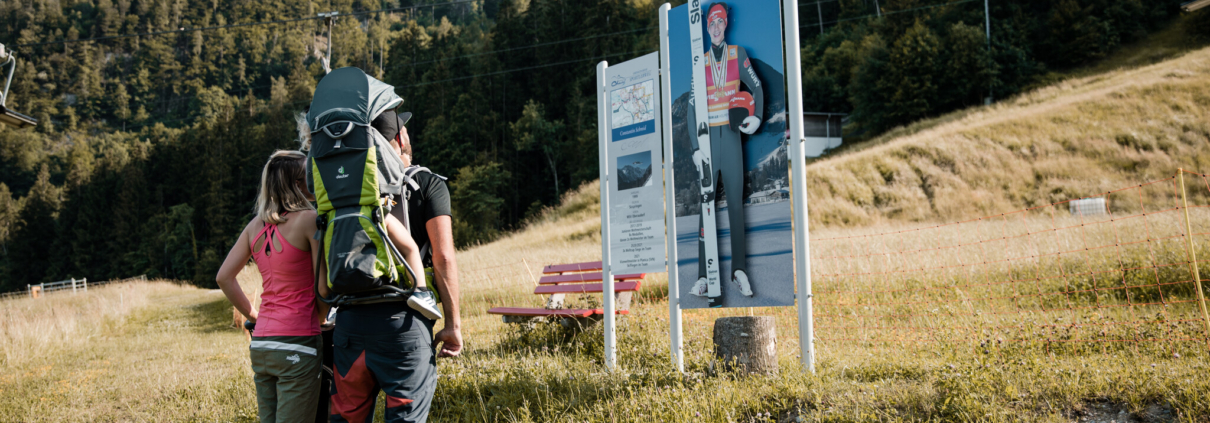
731 167
636 188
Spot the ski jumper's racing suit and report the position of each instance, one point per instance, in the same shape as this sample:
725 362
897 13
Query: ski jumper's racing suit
726 67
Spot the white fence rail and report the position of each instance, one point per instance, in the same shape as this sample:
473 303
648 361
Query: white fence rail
74 285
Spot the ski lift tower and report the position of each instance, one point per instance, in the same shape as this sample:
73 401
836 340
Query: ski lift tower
9 117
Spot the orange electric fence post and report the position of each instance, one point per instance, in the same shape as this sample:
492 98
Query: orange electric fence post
1197 280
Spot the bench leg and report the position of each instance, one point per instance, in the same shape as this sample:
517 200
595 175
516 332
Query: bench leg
622 300
555 302
580 323
525 320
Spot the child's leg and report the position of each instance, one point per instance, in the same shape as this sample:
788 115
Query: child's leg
407 246
421 299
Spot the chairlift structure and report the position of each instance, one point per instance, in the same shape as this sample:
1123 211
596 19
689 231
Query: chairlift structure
1194 5
9 117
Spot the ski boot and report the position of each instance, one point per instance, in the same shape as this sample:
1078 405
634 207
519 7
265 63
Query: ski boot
699 288
740 278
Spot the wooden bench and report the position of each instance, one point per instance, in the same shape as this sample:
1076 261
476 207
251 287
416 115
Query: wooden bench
558 280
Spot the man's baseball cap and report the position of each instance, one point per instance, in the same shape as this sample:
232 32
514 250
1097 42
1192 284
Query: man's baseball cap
389 123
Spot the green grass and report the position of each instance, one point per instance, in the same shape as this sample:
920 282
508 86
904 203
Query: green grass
547 374
177 359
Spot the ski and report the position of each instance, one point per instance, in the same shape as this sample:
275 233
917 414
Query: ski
708 233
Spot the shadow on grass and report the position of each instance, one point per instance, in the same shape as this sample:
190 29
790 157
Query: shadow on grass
204 316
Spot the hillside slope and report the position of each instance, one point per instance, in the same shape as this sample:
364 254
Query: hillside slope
1076 138
1072 139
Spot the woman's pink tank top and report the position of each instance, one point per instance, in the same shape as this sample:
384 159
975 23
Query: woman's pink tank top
288 302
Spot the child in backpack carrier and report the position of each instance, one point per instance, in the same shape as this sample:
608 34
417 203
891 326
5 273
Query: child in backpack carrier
367 246
422 299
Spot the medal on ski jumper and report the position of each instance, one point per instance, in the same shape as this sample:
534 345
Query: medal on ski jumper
708 234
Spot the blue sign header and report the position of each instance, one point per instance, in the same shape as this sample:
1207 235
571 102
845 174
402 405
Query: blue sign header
631 131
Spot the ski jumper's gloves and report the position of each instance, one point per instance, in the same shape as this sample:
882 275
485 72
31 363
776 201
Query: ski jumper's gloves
699 160
750 124
748 75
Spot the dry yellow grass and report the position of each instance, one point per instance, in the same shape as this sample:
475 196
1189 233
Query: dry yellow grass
252 284
33 328
505 272
1078 137
136 351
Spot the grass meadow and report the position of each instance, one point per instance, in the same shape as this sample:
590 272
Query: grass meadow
159 351
924 310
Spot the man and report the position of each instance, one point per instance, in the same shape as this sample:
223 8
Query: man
389 346
726 67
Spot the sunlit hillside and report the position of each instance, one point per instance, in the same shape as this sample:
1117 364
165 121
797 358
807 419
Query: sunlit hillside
1076 138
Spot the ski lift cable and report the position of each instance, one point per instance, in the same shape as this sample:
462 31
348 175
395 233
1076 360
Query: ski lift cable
888 13
239 108
322 16
253 88
240 25
309 18
524 47
516 70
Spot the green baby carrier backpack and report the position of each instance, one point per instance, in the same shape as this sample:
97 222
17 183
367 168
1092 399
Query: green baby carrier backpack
351 169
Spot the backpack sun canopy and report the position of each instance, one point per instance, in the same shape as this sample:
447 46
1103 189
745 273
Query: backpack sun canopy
349 95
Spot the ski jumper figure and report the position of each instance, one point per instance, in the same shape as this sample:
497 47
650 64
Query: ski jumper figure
731 111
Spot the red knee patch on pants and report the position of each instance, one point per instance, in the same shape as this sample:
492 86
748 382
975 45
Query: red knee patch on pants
393 402
352 400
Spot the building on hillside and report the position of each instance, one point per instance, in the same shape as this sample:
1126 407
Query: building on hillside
769 196
821 132
1094 206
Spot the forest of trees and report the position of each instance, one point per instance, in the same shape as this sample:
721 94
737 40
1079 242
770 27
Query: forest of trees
148 150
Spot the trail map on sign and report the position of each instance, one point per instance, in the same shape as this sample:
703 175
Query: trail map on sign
633 104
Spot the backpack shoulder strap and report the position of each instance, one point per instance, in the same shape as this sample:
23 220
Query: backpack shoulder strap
409 177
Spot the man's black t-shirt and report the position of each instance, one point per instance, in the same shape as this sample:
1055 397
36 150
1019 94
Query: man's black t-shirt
431 200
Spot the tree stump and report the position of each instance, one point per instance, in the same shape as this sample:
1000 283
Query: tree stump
746 343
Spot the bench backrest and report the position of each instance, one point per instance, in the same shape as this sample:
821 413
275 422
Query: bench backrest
585 277
586 288
572 267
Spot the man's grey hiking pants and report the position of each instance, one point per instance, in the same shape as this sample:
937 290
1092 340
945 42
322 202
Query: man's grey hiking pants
387 347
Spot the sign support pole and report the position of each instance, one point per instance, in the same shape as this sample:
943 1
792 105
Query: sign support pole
674 291
798 184
606 269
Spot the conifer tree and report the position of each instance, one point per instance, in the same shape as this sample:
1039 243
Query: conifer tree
8 217
30 248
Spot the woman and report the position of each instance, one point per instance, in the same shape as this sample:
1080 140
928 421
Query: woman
286 348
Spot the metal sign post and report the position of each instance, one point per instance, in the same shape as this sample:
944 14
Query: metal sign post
606 273
674 296
798 184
